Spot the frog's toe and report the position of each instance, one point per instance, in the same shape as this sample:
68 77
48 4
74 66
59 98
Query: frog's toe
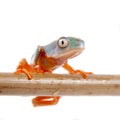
89 72
18 71
82 73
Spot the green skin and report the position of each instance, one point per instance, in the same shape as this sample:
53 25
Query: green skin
74 47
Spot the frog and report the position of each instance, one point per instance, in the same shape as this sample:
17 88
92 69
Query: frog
50 57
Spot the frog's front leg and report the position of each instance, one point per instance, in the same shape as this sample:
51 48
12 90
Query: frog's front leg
45 100
72 71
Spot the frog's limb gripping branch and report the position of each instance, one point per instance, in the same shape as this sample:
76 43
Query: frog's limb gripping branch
59 84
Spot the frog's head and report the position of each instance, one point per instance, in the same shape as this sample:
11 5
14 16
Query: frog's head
65 48
70 46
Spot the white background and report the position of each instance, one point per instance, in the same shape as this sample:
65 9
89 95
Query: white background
27 23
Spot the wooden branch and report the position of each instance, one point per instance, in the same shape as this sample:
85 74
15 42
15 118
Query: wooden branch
59 84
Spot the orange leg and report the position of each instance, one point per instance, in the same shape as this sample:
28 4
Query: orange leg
72 71
45 100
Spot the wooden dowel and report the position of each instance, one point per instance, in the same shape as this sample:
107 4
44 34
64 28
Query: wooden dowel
59 84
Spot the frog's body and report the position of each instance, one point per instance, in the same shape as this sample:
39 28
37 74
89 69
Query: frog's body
49 57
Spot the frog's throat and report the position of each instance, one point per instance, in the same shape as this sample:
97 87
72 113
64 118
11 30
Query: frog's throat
69 54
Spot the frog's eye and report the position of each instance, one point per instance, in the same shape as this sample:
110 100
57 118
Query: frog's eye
62 43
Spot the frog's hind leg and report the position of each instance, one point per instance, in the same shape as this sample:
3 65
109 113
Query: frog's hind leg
24 67
45 100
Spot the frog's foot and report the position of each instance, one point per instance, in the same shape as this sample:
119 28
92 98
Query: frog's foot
82 73
72 71
24 67
45 100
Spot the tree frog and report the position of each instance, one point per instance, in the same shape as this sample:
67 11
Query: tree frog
48 58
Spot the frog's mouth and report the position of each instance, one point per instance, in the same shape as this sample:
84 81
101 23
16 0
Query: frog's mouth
69 54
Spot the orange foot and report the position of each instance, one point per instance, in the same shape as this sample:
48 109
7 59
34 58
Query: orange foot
24 67
45 100
82 73
72 71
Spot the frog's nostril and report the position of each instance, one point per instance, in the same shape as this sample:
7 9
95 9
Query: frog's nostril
82 44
